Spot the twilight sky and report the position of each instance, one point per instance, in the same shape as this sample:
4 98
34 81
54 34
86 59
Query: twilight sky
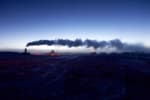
22 21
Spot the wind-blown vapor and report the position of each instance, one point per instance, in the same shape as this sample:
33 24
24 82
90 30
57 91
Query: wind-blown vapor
114 45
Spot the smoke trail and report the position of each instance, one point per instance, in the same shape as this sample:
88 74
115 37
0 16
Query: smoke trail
69 43
115 45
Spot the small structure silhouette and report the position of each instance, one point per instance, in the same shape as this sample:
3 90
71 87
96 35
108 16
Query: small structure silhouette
26 52
53 53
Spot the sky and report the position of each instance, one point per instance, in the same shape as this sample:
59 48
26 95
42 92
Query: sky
22 21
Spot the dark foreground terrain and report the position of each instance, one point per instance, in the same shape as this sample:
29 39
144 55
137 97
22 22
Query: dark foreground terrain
75 77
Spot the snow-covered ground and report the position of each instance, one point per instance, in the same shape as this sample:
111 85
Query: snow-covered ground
75 77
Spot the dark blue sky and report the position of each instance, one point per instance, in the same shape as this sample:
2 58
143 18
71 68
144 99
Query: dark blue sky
22 21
